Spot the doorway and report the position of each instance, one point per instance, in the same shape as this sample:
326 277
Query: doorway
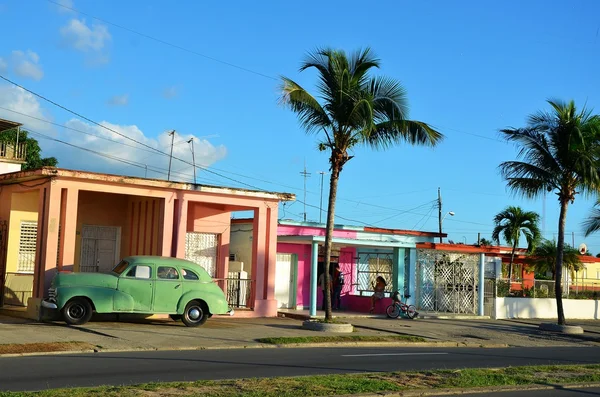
286 275
100 248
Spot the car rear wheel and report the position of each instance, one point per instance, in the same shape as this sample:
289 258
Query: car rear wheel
195 314
77 311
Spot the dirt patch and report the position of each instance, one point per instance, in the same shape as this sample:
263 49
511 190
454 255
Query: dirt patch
20 348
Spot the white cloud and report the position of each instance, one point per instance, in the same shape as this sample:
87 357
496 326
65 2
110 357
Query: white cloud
3 65
19 100
205 152
170 92
78 35
119 100
26 64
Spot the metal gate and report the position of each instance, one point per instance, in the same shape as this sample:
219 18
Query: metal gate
3 248
489 297
447 281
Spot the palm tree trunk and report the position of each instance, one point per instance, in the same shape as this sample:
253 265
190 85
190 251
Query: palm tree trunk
510 265
333 184
559 260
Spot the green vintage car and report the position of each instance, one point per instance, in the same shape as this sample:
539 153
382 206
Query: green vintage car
139 284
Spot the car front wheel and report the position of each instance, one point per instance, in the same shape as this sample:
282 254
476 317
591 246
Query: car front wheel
77 311
195 314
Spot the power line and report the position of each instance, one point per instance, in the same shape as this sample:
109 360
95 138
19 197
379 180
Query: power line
163 41
404 211
123 135
101 154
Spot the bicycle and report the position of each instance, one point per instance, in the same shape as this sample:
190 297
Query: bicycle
397 307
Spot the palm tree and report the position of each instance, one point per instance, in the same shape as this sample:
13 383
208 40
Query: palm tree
544 258
560 152
511 223
352 109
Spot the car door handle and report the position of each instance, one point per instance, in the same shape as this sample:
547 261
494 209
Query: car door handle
177 286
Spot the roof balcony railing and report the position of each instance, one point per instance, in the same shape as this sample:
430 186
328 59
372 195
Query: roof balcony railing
10 151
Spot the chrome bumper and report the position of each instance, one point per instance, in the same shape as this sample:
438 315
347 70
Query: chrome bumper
49 305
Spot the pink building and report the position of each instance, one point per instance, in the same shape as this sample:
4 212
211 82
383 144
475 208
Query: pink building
362 252
62 220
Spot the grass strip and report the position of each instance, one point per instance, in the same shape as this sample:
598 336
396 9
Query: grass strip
340 338
343 384
20 348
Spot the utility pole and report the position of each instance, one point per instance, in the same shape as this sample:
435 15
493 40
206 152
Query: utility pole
146 172
172 134
440 211
193 158
321 202
305 175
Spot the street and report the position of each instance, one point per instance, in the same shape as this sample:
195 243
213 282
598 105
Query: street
70 370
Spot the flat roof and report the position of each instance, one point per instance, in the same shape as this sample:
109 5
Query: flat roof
50 172
365 229
7 124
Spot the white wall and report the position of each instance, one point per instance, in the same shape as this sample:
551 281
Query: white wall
8 167
240 243
546 308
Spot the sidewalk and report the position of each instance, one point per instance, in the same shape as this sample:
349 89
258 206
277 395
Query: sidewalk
227 332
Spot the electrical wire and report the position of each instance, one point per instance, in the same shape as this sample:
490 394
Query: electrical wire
125 136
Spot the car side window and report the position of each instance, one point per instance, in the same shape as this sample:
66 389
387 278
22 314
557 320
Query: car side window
167 272
140 271
189 275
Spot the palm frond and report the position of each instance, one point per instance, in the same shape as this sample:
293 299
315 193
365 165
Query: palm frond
312 116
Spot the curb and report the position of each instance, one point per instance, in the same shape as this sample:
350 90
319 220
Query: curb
269 346
474 390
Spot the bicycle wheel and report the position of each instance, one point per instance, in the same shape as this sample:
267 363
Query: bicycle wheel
392 311
411 312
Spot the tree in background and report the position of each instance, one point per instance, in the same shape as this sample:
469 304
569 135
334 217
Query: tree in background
559 151
544 258
513 222
33 154
485 242
353 109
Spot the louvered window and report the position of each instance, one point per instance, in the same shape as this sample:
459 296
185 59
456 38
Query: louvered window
27 245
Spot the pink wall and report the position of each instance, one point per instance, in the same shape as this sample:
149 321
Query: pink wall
304 257
290 230
303 251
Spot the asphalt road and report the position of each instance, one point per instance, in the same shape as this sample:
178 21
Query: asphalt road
54 371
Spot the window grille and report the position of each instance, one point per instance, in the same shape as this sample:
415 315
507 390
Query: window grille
370 266
27 247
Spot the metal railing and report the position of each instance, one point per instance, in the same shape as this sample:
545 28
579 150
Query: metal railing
237 290
10 152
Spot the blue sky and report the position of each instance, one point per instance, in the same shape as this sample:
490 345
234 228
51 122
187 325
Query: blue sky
470 68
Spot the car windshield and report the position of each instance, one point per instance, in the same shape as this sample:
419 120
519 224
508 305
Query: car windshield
120 268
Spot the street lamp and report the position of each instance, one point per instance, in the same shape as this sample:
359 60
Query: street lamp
451 213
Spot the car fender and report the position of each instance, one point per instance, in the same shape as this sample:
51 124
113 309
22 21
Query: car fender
217 304
102 298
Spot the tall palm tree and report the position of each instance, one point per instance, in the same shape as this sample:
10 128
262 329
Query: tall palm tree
513 222
352 109
560 152
544 258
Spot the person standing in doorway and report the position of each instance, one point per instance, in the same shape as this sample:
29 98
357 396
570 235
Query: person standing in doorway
338 284
322 285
